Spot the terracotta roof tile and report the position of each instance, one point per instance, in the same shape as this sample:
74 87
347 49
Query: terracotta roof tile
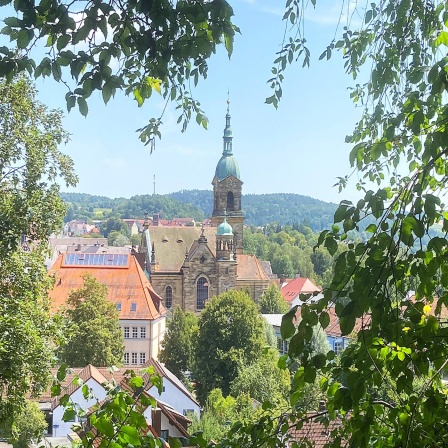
249 268
298 285
127 285
315 432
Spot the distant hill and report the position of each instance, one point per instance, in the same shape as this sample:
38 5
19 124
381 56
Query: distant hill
260 209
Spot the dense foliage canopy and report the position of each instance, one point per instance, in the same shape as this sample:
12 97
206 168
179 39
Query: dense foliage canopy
94 335
260 209
135 46
231 333
30 210
178 345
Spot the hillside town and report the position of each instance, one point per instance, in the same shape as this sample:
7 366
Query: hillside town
139 308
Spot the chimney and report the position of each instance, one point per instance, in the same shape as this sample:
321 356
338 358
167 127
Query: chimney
156 417
322 406
155 219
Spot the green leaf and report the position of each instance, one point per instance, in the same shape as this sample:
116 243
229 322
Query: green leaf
83 108
130 435
288 328
24 38
324 319
105 427
63 41
138 97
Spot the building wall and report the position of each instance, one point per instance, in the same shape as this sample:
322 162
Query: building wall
255 288
149 345
202 264
174 279
175 398
61 428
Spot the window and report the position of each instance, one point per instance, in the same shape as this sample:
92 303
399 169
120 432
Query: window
135 332
126 358
338 347
201 293
164 434
133 306
134 359
188 412
142 358
142 332
168 297
282 346
230 202
118 306
126 332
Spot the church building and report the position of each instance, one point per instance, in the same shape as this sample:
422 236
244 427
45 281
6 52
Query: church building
189 265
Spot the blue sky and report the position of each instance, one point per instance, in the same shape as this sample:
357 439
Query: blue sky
298 148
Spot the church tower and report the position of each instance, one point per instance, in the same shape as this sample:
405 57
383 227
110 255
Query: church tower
227 190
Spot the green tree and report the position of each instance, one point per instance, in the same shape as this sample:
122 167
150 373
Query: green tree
272 302
120 240
400 144
219 413
178 344
94 334
231 332
28 426
263 380
114 224
156 47
282 264
30 210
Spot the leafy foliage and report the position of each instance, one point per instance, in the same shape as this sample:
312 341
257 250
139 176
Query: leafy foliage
119 419
230 333
94 335
399 144
272 302
30 210
219 413
135 47
30 166
263 380
28 426
178 345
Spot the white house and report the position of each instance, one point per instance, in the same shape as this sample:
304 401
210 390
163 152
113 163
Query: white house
168 419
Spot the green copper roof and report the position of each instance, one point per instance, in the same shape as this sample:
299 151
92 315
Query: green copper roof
227 164
224 228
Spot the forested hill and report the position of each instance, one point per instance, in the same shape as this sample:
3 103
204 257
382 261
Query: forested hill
260 209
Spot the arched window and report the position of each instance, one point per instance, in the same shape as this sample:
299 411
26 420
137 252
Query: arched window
230 202
201 293
168 297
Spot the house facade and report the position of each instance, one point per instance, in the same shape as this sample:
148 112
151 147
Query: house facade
142 315
167 419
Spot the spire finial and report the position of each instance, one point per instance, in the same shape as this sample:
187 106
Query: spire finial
227 130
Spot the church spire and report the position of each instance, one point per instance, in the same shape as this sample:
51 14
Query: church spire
227 137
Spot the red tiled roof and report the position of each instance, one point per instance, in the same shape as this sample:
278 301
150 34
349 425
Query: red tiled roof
333 329
299 285
249 268
314 431
126 285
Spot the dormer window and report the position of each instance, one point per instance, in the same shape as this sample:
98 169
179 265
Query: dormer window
133 306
